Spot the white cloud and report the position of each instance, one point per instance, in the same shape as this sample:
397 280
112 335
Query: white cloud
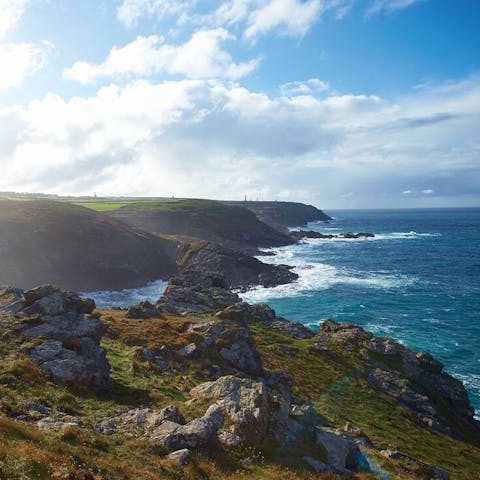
20 60
286 17
312 86
213 139
200 57
428 191
389 6
10 13
407 192
129 12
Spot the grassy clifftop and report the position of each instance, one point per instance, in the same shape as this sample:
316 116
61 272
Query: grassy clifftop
77 248
193 220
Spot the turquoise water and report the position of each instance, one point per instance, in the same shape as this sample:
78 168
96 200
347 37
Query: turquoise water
417 281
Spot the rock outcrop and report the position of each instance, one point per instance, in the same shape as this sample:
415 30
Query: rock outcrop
68 333
194 292
414 379
238 270
243 312
300 234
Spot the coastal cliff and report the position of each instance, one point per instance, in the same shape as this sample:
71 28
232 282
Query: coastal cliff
281 215
47 241
209 386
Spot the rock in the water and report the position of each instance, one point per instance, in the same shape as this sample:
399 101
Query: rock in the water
237 269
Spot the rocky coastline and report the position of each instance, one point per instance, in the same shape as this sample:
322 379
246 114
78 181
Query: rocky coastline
244 403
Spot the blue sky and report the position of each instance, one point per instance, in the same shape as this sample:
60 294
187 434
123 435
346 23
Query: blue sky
340 103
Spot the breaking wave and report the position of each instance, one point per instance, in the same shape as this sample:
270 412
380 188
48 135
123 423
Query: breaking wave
128 296
314 276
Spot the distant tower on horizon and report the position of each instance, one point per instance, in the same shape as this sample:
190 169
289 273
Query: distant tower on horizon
245 198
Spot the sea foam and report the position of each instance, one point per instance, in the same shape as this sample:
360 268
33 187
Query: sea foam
129 296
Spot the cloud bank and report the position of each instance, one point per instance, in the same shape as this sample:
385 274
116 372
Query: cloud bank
222 140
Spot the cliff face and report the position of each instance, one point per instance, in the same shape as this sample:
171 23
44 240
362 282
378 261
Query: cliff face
76 248
193 220
281 215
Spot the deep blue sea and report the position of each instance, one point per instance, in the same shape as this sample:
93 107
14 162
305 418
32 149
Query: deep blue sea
417 281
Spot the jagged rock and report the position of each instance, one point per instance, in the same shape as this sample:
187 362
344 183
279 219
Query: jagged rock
243 401
71 349
166 427
181 457
236 268
198 432
37 407
401 389
193 293
142 310
242 312
12 301
341 449
255 409
188 351
295 329
242 354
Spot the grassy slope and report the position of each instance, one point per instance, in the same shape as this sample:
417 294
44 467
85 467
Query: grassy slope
76 248
195 220
332 381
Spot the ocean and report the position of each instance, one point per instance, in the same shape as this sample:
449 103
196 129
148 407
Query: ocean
417 281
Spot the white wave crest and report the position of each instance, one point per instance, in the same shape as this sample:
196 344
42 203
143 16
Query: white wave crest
314 276
129 296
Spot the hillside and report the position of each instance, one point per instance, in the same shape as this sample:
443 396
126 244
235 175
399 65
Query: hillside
192 220
281 215
218 396
46 241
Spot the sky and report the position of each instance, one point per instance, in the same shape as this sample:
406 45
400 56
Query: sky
336 103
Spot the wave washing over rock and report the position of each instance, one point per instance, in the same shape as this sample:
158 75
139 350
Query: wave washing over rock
129 296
